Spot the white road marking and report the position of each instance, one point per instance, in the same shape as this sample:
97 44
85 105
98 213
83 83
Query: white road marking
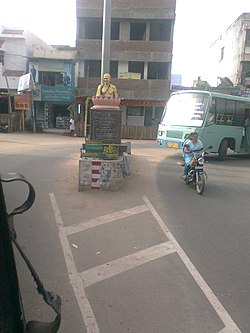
75 279
89 277
230 326
105 219
121 265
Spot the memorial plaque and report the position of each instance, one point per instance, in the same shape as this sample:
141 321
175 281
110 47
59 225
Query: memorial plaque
105 125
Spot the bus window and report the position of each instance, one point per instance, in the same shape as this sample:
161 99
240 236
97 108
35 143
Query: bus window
239 116
220 111
211 114
230 111
186 109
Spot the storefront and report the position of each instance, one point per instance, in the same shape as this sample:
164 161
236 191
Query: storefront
54 93
53 106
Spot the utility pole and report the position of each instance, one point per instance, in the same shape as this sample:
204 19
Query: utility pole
9 98
106 33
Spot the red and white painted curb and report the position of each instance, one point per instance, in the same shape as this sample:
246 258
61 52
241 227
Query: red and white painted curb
95 175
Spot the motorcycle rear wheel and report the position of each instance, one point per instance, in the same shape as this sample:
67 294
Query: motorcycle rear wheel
200 185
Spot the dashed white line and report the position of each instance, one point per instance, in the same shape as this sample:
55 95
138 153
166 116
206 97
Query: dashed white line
121 265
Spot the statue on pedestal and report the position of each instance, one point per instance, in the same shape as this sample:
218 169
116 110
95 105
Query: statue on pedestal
106 89
106 95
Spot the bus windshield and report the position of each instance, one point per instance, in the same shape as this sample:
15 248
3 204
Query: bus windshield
186 109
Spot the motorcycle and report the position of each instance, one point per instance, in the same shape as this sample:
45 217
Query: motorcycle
197 175
3 128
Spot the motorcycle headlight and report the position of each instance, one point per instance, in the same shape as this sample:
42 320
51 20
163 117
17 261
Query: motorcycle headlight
201 160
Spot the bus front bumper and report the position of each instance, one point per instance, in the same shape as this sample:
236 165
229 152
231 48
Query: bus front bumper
170 143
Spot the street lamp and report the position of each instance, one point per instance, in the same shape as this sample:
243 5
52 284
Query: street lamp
106 32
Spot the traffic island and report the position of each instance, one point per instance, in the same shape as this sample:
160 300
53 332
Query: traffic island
104 159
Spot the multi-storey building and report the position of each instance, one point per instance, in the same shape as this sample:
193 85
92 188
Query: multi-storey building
52 69
140 55
231 52
16 46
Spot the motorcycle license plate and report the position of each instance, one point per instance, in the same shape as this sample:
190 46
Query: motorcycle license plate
198 168
172 144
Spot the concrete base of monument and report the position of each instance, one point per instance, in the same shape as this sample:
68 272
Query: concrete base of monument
100 174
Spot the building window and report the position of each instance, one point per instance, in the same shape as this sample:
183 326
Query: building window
135 111
137 31
136 67
245 75
115 30
50 78
247 38
2 57
81 29
160 30
113 69
157 71
148 116
222 51
93 29
92 68
135 115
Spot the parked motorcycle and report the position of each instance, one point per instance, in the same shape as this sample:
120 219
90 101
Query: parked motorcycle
3 128
197 175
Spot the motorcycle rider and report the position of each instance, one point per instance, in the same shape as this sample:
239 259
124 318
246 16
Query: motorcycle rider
183 154
191 146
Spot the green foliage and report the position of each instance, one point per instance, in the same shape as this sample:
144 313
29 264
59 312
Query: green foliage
111 149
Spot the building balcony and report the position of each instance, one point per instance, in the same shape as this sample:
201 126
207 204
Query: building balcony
142 9
128 89
126 50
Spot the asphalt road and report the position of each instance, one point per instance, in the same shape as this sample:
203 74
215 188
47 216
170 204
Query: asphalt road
152 257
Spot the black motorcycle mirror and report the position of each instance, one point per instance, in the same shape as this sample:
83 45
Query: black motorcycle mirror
13 318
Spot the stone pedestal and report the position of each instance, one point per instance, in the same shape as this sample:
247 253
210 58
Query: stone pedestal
105 120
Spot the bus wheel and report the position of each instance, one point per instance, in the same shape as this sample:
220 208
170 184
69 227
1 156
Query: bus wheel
223 150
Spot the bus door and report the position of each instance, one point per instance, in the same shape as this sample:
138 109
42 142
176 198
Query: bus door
208 135
247 130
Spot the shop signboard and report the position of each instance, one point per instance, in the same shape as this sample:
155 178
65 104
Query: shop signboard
57 94
25 83
22 102
130 75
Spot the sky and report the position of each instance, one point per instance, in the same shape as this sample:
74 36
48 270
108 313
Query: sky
198 24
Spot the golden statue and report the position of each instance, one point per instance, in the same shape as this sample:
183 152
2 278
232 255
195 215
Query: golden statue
106 89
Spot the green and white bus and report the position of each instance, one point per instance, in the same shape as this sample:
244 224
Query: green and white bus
222 121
